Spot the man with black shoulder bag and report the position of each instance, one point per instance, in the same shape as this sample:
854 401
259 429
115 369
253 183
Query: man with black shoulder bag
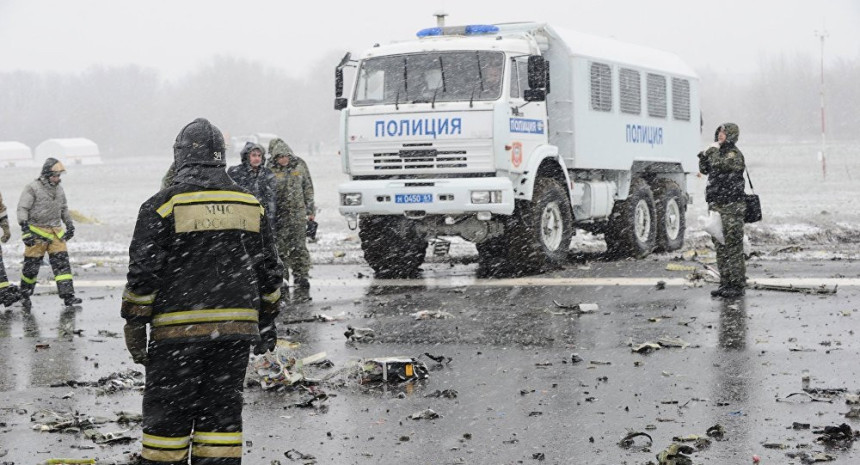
724 164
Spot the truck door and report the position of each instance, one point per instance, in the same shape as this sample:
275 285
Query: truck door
527 120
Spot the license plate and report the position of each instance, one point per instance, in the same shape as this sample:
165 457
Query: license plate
413 198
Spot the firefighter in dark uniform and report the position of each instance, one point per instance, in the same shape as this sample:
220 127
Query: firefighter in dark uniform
724 164
9 293
204 274
42 210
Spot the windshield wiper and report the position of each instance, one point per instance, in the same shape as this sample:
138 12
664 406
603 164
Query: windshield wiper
480 71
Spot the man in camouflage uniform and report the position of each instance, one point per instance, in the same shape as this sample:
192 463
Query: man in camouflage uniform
253 176
41 209
724 164
295 206
9 293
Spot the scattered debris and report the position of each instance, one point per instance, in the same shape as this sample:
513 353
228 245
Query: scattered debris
439 359
853 413
578 309
426 414
294 455
675 342
661 285
645 347
676 454
667 342
446 393
822 289
675 266
575 358
807 395
431 315
279 368
807 458
309 402
391 370
836 434
717 432
359 334
628 441
118 437
55 422
797 425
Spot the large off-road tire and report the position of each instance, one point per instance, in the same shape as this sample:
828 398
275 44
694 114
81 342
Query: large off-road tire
492 258
538 234
632 228
391 246
671 208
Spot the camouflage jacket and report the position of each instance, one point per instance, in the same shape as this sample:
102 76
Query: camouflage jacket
294 190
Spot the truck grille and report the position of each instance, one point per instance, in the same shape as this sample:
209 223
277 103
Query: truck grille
466 157
431 159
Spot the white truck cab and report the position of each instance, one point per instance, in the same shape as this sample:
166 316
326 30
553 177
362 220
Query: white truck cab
511 136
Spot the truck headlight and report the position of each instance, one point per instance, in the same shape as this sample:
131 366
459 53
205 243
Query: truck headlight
484 197
352 199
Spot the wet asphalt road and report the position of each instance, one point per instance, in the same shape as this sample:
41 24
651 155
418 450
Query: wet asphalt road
520 398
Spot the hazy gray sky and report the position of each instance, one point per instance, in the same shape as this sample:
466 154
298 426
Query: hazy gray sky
175 37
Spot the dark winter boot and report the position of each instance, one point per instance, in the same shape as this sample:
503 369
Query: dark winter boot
9 294
718 292
733 292
71 300
302 283
25 302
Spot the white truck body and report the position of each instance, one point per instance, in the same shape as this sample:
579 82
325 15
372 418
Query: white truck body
616 117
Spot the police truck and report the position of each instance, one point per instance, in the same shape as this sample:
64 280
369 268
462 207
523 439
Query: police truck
512 136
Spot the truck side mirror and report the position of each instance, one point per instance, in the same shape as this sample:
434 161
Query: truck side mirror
339 101
537 72
538 79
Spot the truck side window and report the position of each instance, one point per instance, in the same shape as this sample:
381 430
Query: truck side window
681 99
523 75
515 81
372 88
656 85
601 87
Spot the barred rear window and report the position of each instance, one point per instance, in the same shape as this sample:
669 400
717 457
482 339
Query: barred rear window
656 95
601 87
630 90
681 99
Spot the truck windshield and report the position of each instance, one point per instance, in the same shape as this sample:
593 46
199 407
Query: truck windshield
430 77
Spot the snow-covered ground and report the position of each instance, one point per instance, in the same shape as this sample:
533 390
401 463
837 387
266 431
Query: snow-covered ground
805 216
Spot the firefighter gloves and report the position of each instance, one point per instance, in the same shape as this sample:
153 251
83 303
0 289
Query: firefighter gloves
135 342
268 339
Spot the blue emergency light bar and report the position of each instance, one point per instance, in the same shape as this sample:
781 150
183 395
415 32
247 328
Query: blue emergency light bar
471 29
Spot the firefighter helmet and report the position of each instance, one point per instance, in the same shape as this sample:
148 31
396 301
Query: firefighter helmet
199 143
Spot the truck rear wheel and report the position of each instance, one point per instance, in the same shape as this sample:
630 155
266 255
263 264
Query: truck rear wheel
671 211
632 228
391 246
539 232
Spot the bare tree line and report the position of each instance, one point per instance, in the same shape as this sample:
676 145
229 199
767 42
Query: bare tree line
133 111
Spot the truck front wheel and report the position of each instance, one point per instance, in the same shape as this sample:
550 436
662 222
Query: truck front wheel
539 232
632 228
391 246
671 211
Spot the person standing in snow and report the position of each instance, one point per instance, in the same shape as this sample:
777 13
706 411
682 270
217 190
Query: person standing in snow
254 177
42 210
204 275
295 204
9 293
724 164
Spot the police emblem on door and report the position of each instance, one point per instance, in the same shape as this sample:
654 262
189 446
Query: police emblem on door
516 154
